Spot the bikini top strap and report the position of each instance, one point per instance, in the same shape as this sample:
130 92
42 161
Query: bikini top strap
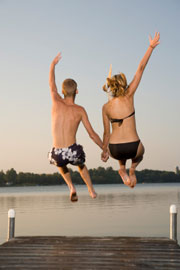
129 115
120 121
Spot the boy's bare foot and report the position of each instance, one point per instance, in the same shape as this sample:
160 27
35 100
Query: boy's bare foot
93 194
73 194
73 197
125 177
132 176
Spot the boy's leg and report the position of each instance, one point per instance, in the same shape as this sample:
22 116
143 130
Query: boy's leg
86 177
67 178
122 172
135 163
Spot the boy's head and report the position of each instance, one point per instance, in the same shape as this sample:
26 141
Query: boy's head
69 87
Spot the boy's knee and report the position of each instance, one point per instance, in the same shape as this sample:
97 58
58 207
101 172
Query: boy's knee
81 167
64 169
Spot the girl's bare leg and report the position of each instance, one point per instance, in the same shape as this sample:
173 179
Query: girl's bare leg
86 177
67 178
122 172
135 163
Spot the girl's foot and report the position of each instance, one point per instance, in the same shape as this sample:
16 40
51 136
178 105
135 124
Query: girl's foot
132 176
93 194
125 177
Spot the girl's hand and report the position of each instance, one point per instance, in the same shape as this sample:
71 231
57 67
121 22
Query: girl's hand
104 156
155 41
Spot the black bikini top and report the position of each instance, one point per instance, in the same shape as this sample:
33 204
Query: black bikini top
120 121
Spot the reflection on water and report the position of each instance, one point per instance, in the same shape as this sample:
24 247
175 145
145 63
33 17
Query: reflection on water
117 211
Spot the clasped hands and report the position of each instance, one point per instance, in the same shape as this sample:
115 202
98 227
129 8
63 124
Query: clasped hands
105 155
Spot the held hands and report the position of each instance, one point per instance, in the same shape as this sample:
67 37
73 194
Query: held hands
155 41
57 58
105 156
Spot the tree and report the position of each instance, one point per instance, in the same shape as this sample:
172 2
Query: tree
10 177
2 182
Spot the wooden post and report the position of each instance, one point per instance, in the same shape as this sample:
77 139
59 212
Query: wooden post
11 223
173 222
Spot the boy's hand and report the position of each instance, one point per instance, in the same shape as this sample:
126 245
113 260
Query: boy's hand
57 58
105 156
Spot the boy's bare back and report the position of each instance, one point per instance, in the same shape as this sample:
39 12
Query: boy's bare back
66 117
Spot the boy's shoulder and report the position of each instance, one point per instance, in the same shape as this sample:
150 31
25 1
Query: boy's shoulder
79 107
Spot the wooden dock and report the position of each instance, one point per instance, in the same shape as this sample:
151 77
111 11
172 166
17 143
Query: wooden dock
92 253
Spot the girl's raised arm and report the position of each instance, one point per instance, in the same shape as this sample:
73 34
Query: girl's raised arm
137 78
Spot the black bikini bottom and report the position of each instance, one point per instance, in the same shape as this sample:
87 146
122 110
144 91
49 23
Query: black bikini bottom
124 150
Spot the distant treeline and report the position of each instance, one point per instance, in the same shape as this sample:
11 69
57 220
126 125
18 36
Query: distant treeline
99 176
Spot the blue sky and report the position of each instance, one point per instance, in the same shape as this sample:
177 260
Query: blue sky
91 35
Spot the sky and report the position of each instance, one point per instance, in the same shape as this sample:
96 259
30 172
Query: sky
91 35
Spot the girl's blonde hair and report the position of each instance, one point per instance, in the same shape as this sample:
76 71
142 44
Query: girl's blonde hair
117 84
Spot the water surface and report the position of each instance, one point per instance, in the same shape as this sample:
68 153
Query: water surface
117 211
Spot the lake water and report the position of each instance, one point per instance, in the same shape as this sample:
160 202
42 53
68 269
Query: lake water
117 211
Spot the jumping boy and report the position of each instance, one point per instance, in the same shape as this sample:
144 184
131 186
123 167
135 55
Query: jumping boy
66 117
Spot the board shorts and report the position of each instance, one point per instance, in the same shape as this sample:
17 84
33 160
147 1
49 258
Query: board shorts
73 154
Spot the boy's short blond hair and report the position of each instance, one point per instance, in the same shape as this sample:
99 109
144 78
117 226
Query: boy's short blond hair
69 87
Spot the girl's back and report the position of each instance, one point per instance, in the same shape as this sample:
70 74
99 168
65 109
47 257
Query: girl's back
120 111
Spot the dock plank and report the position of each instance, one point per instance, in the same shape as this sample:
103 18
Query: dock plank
92 253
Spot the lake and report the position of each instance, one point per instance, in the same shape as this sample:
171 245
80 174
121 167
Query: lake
117 211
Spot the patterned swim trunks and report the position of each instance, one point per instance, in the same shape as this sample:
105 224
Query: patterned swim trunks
73 154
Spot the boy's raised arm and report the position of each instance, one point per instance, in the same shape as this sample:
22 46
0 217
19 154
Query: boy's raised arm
52 83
